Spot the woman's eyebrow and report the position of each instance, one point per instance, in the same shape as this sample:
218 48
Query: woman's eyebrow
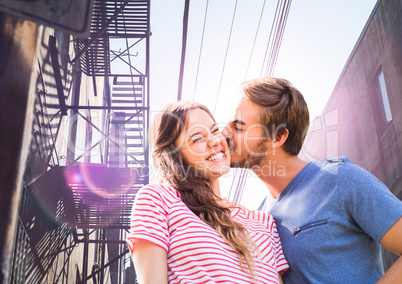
195 134
200 132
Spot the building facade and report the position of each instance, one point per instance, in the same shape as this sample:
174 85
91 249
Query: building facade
363 117
85 144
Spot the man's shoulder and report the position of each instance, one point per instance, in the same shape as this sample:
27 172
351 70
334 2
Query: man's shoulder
340 166
338 174
329 164
349 176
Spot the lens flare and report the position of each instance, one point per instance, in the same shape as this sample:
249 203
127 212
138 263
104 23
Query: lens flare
102 195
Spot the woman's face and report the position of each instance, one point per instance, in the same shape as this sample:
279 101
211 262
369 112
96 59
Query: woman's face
203 146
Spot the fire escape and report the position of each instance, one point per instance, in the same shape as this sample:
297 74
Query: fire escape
117 27
92 196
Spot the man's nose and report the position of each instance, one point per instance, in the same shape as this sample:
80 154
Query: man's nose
227 133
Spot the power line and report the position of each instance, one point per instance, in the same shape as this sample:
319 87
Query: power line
243 172
226 53
281 36
255 39
231 186
269 38
276 34
269 62
278 38
199 56
183 48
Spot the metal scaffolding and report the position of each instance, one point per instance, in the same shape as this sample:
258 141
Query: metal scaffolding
84 197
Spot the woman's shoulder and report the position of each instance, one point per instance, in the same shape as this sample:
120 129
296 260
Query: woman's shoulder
256 215
157 189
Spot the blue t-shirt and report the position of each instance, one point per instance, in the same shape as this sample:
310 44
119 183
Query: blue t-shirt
330 219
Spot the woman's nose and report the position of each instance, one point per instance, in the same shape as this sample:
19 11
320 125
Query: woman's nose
214 141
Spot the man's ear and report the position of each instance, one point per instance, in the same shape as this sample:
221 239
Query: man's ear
280 138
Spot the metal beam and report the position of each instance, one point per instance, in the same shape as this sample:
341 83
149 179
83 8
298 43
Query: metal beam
98 34
106 107
57 76
85 260
107 265
101 241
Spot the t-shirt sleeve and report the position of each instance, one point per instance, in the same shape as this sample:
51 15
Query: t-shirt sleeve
280 260
149 220
371 204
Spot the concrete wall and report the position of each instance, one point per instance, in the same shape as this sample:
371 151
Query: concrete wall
17 52
50 254
353 122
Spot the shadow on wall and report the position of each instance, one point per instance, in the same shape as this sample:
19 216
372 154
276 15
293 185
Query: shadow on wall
40 243
43 241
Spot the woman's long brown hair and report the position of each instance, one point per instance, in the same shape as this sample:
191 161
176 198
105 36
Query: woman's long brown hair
194 188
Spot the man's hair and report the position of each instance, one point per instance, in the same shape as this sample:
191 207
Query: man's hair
282 106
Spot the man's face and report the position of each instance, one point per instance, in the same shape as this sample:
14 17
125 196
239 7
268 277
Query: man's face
246 136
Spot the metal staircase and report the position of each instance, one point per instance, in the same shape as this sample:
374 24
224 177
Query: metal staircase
77 199
132 122
117 49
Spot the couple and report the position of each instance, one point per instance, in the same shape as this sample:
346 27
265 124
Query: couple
329 216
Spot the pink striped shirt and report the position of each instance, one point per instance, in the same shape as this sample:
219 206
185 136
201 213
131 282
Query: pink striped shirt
196 253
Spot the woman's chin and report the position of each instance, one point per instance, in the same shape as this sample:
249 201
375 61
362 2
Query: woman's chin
218 174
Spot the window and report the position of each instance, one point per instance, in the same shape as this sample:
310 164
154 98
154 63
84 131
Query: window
384 95
382 116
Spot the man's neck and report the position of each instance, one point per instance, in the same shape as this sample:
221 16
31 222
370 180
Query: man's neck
277 172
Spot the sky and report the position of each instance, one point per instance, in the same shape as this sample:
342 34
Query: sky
318 40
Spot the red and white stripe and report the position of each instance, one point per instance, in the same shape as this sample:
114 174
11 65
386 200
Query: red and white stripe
196 252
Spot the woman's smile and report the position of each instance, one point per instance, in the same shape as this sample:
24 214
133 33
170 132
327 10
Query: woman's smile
218 156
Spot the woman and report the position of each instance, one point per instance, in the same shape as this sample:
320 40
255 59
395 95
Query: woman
182 231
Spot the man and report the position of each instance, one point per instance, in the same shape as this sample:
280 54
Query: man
332 215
